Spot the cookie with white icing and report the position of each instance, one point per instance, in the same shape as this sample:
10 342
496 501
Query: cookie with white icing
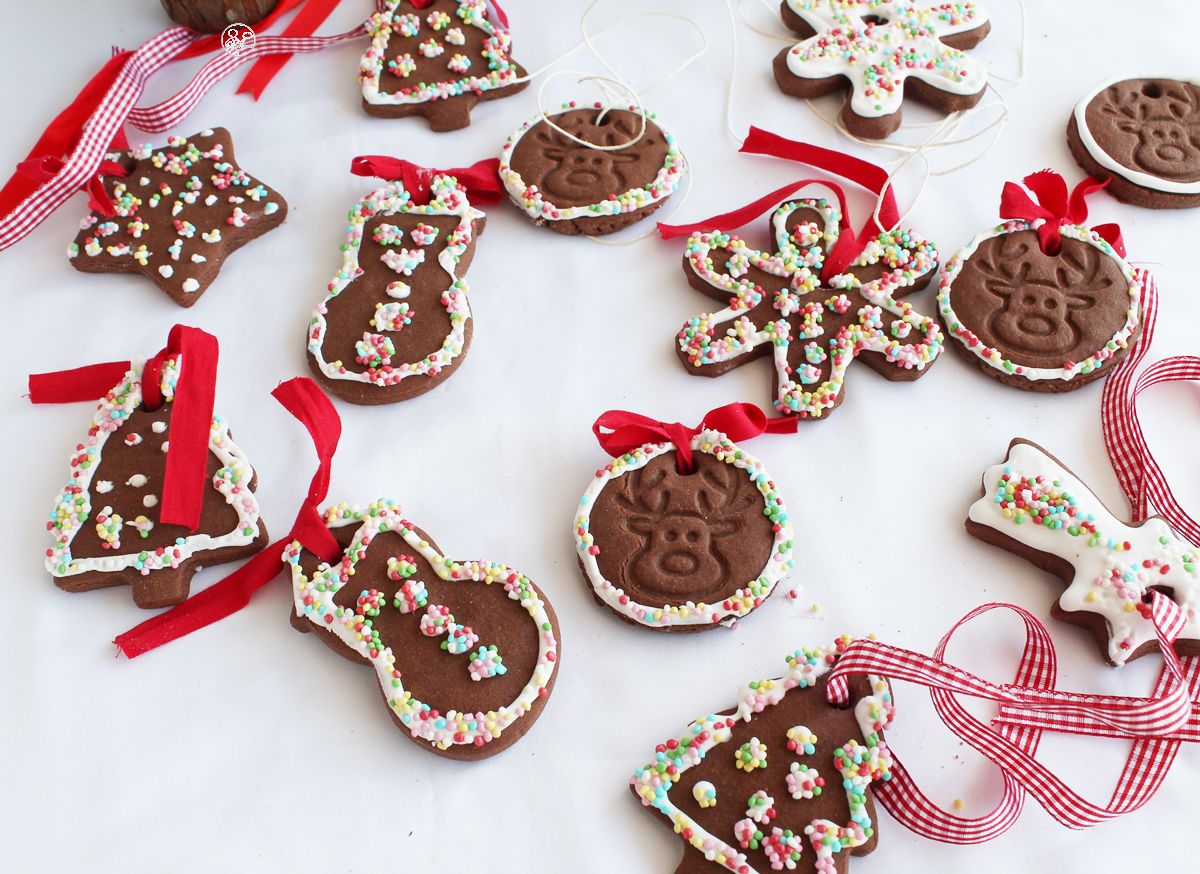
1039 321
395 321
574 188
782 780
465 652
180 212
1036 508
778 307
1143 134
437 61
105 522
883 51
673 551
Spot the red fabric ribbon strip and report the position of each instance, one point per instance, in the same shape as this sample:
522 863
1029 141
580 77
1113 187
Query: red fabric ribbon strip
1056 208
304 400
481 179
620 432
46 167
848 247
305 23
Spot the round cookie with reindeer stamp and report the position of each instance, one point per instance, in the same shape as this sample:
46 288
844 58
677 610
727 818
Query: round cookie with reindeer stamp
1143 134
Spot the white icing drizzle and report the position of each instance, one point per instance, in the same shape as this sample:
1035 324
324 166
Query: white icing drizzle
748 597
992 357
1115 564
1107 161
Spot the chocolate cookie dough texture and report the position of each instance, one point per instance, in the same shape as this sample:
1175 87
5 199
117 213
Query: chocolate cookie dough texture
436 62
574 188
1037 321
396 321
683 552
780 781
180 211
812 331
105 522
465 652
882 52
1035 508
1143 134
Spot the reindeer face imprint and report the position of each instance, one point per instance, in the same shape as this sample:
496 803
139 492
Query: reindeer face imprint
673 551
1034 320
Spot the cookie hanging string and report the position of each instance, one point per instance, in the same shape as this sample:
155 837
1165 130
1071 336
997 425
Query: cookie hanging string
1056 208
304 400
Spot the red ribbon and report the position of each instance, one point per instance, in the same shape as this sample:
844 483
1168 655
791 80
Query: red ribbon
305 23
1056 207
481 179
620 432
191 415
47 167
304 400
864 173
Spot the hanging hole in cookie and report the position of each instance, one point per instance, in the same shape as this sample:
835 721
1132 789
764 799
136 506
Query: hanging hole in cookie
1169 591
874 19
1152 90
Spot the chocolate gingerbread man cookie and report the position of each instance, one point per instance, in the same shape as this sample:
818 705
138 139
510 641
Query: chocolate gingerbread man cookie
609 173
180 211
780 781
437 61
883 52
465 652
1142 133
673 551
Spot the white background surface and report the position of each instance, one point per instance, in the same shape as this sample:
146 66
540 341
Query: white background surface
250 747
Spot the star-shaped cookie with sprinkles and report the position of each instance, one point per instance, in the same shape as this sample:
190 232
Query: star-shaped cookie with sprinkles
178 213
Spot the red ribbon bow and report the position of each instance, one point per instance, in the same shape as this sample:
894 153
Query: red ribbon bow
848 247
481 179
1056 207
191 415
304 400
620 432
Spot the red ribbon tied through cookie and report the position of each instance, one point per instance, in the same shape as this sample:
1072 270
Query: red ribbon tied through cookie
191 416
848 246
304 400
620 432
1056 208
481 180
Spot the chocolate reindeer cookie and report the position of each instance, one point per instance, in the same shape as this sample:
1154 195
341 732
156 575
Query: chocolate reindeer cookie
465 652
396 321
606 175
812 330
437 60
105 523
883 52
179 212
1143 133
780 781
673 551
1035 508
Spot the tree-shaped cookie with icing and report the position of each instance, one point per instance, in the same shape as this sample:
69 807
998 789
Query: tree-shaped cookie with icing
396 321
779 306
780 781
106 520
883 51
437 59
1035 508
465 652
178 213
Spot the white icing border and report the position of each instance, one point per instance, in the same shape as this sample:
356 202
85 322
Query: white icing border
992 357
744 600
375 518
1105 160
446 198
72 516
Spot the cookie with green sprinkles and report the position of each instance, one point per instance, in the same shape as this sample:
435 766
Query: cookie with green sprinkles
465 652
590 170
782 780
673 551
105 522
